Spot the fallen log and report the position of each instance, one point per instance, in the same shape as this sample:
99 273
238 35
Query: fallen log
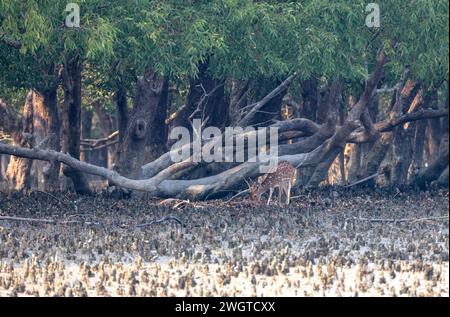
147 185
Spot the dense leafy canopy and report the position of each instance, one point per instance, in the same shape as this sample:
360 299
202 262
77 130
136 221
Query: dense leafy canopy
242 38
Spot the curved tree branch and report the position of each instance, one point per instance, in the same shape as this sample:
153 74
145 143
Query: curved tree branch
148 185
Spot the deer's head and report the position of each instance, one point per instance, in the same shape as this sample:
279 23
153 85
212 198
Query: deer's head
255 191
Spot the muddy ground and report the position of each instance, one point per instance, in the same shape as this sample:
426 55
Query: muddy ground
328 243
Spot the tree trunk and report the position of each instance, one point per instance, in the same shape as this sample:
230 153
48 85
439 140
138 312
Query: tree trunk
8 125
401 155
4 162
71 83
355 153
65 183
433 128
419 142
108 126
146 133
86 129
336 144
46 134
444 128
439 161
329 127
238 100
354 162
309 96
375 157
255 116
322 103
342 169
122 111
271 110
443 179
205 101
372 109
435 169
401 152
19 169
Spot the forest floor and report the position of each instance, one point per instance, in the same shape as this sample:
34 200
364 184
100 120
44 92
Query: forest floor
332 242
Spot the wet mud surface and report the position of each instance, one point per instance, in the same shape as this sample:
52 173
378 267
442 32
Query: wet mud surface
327 243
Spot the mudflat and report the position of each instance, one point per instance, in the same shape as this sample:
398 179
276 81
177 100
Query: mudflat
328 242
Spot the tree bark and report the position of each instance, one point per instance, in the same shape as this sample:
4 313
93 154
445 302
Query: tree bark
267 108
371 115
146 133
359 153
419 142
65 183
434 170
354 162
205 101
4 162
336 143
401 151
46 134
444 127
108 126
71 83
401 156
86 129
443 178
8 125
8 120
376 156
19 169
309 97
120 97
271 110
238 100
342 167
438 167
322 103
433 128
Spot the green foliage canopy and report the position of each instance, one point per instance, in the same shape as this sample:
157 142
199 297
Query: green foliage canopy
242 38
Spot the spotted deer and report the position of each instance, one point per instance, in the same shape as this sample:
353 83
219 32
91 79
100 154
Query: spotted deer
282 177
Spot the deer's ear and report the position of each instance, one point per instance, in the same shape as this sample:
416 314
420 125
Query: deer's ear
261 179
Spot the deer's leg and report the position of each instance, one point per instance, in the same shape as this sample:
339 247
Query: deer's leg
280 193
288 194
270 195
